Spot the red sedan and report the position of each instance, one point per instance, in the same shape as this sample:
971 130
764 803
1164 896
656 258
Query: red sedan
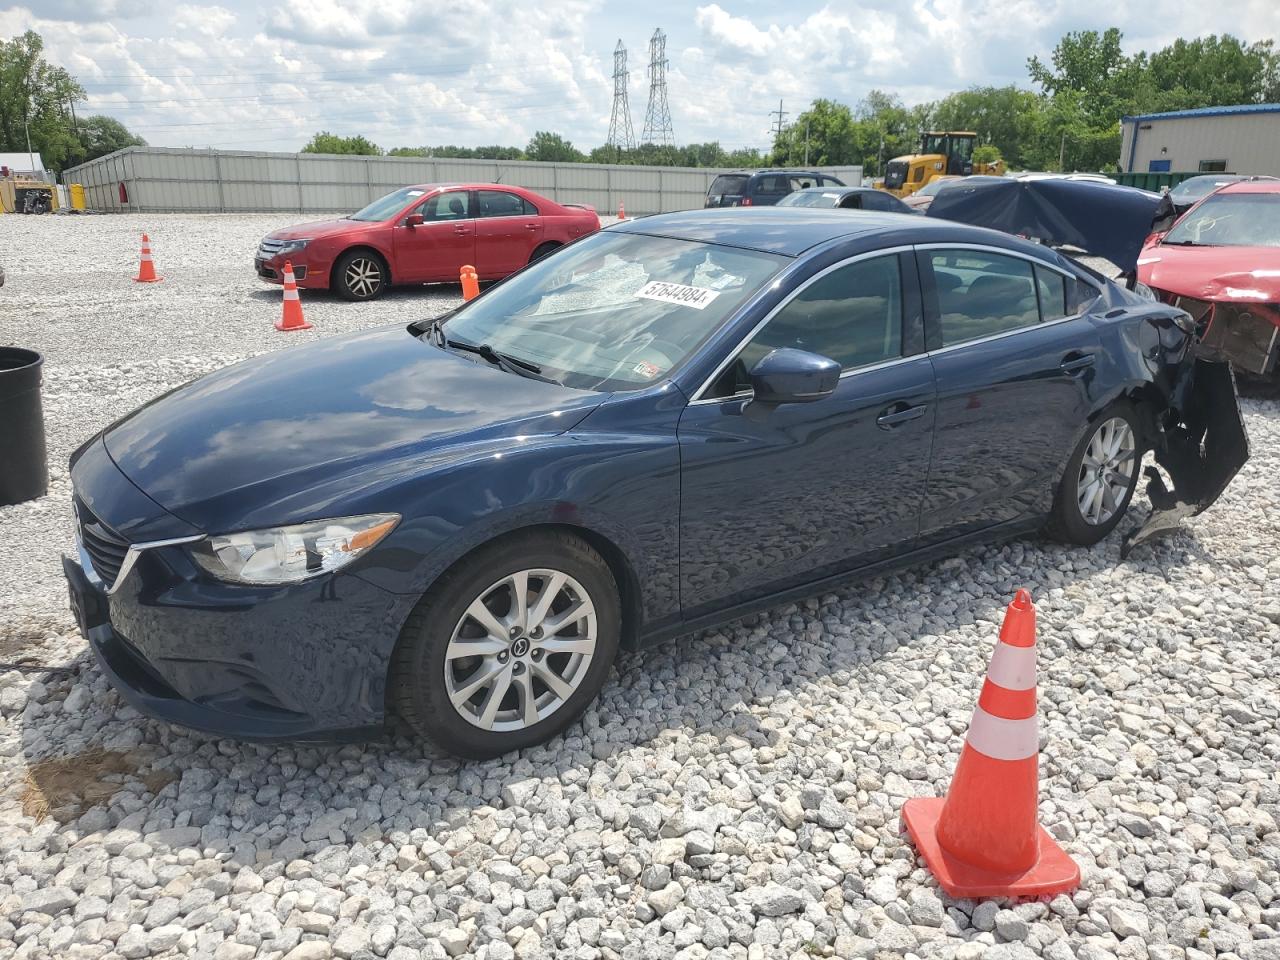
1221 263
424 234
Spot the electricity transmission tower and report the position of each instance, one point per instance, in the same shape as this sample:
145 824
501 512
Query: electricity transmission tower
621 136
657 118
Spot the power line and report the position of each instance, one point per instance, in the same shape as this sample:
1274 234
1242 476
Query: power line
657 117
621 136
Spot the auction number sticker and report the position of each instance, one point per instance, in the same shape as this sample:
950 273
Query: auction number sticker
696 297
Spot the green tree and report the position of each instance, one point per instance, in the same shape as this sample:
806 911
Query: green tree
826 133
35 101
325 142
101 135
1004 117
551 146
1210 71
986 153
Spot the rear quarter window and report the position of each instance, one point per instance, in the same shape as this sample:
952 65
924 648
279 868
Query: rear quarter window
726 184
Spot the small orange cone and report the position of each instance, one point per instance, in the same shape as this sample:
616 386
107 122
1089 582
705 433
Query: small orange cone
146 268
292 318
470 283
622 210
984 839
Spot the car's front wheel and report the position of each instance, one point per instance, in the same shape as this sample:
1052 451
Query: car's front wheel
359 275
507 649
1100 478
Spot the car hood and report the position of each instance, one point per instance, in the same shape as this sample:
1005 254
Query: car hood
346 414
318 228
1233 274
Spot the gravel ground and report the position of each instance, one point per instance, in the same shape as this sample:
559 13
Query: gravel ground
732 794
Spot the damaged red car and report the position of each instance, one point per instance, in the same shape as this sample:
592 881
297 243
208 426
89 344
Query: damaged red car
1220 262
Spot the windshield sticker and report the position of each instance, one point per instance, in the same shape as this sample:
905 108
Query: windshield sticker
646 369
696 297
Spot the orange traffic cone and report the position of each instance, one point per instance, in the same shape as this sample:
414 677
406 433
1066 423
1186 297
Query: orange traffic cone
622 210
146 268
470 283
984 839
292 318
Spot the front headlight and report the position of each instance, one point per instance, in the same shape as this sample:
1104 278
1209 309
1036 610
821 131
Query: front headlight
1142 290
291 554
291 246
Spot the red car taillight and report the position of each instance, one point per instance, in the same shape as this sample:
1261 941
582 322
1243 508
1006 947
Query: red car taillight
746 201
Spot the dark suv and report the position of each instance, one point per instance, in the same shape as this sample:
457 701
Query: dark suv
763 189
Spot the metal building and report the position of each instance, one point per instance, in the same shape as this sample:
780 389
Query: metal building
1243 139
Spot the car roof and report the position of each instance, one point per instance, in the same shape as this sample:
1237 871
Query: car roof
836 188
1268 185
791 231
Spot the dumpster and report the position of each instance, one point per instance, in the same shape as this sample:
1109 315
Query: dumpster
24 467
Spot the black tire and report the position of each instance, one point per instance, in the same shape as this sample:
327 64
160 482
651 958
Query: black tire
417 686
542 249
1068 521
360 275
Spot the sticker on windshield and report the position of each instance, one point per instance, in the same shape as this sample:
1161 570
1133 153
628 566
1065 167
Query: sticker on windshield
646 369
696 297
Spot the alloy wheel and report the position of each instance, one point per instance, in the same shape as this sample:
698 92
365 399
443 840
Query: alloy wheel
363 276
520 650
1106 471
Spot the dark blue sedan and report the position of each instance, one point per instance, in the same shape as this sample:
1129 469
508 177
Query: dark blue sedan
662 426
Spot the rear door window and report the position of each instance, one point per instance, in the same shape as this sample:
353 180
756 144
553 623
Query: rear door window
982 294
499 203
802 183
1053 294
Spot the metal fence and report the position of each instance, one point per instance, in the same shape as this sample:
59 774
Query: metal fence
169 180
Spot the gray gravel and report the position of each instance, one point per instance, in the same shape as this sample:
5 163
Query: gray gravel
733 794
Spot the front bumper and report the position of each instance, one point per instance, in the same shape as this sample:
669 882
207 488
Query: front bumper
301 661
270 269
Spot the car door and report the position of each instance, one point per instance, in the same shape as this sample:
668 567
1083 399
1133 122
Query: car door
773 496
508 228
1013 361
436 249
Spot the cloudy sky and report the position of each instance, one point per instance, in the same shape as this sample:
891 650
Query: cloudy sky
266 74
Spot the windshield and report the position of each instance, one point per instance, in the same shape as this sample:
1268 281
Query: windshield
1189 191
810 198
933 186
386 206
615 311
1231 220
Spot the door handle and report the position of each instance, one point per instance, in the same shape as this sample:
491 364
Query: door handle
460 231
1076 363
531 226
899 413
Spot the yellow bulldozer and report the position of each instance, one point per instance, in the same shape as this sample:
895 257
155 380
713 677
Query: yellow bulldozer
946 153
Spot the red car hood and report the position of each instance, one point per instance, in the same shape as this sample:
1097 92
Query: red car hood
318 228
1232 274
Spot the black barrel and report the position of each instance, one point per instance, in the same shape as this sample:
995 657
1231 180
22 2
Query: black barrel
24 464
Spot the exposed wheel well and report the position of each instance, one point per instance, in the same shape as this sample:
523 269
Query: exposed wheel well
542 249
373 251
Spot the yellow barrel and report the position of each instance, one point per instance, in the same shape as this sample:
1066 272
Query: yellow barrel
77 196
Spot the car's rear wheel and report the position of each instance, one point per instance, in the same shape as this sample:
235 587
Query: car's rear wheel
541 250
1100 478
360 275
507 649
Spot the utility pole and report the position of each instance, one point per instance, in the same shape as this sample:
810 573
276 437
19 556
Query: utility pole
657 117
779 123
621 135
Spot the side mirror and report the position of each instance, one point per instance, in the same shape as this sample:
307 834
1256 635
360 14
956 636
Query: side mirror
787 375
413 220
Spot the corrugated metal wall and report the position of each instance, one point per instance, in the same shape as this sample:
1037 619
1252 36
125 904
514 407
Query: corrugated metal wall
1248 142
161 179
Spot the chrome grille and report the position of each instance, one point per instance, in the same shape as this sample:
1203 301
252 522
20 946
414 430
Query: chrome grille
269 248
106 548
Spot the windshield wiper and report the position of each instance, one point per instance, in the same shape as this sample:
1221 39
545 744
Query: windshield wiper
1183 243
501 360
